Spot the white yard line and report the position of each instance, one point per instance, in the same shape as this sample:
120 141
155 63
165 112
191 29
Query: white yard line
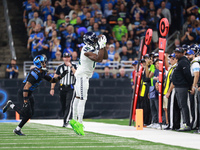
159 136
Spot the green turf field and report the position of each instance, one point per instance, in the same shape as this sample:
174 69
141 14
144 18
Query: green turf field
51 137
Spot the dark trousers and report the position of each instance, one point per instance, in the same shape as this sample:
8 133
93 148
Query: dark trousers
198 109
154 109
182 97
173 112
193 108
66 94
26 112
145 105
14 76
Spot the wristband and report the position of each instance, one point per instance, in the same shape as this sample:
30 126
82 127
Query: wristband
25 90
25 98
52 89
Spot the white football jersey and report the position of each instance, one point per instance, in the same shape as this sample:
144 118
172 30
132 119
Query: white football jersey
86 65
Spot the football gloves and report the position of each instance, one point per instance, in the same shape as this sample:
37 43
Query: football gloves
102 41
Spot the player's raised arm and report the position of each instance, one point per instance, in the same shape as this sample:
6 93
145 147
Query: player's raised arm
102 52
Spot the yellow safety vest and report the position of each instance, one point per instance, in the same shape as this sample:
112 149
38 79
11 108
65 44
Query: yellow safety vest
167 81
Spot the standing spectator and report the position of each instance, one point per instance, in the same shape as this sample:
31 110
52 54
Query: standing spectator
41 46
182 81
166 13
120 30
189 36
194 68
136 9
61 20
75 56
136 45
130 49
134 64
54 47
125 56
86 21
48 10
66 86
58 56
111 52
12 70
89 28
105 28
67 21
108 12
141 30
152 21
96 29
70 36
122 11
118 49
83 16
62 8
73 20
112 19
36 19
32 28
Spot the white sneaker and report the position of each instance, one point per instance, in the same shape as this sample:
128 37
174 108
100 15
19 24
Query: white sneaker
155 125
150 126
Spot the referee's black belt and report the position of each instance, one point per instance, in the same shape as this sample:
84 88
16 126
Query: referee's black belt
66 86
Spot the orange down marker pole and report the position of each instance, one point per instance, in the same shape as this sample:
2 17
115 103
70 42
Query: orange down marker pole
139 119
17 116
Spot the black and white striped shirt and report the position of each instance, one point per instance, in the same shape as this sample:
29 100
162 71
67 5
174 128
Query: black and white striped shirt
69 78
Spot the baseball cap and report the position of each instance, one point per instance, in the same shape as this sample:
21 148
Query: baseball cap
120 19
142 60
112 45
135 62
156 55
196 7
146 56
179 49
172 55
62 25
137 37
67 17
151 54
190 52
81 45
66 55
155 61
185 47
189 26
99 13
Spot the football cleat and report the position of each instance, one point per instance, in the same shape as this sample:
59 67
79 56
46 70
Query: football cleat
80 128
7 106
18 132
66 124
74 126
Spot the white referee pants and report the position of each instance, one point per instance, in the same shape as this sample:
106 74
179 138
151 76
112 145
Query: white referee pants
81 87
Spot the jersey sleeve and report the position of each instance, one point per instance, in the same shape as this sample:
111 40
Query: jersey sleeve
195 67
58 71
32 77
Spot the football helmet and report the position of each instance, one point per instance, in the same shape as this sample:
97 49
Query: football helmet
90 38
40 62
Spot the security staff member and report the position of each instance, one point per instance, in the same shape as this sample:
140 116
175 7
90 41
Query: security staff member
66 86
182 80
173 110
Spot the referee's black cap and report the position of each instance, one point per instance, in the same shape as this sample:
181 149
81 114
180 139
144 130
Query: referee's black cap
66 55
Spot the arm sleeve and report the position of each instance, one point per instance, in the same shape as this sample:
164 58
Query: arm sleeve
47 77
32 77
187 72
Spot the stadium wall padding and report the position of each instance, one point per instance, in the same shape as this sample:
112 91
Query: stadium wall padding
107 98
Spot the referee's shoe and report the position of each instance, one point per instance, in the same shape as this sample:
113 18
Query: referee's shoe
7 106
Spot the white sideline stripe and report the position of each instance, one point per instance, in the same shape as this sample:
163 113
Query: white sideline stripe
65 147
159 136
44 143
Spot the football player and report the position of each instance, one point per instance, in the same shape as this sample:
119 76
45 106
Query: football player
31 82
94 51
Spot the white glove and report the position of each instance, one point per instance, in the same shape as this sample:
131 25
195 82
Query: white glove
102 41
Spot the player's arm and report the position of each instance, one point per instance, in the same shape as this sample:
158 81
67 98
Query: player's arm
95 57
26 90
105 54
55 79
102 44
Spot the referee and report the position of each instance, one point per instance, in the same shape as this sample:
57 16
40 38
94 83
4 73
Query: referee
66 86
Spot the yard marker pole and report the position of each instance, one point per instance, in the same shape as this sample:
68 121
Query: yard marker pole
142 52
164 29
17 116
